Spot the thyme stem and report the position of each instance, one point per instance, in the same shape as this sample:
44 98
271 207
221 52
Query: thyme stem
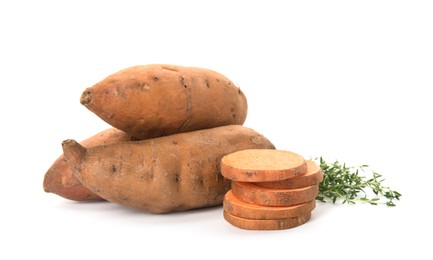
343 183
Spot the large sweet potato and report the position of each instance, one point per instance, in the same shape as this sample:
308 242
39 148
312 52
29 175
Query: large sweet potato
165 174
157 100
60 180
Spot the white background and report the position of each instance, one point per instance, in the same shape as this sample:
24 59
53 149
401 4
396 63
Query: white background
347 80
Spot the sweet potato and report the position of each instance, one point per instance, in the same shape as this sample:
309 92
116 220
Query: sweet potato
157 100
165 174
60 180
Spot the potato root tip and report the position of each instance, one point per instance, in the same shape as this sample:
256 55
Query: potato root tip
73 151
86 97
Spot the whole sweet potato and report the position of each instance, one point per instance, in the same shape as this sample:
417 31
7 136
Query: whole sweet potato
157 100
60 180
165 174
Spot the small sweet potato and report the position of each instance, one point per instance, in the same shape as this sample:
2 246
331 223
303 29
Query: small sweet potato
165 174
60 180
157 100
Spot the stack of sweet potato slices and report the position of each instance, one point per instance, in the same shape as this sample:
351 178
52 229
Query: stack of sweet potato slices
271 189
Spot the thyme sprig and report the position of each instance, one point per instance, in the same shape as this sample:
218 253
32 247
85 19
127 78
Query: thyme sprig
344 183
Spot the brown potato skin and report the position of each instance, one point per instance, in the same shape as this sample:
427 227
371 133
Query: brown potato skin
156 100
166 174
60 180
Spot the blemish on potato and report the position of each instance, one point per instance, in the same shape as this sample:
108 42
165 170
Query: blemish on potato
63 180
177 178
145 86
250 174
155 78
256 139
182 81
169 68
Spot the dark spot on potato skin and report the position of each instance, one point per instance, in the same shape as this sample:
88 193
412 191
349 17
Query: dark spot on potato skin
182 82
155 78
113 169
250 174
177 178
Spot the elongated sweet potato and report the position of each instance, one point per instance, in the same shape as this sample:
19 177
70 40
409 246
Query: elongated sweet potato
157 100
60 180
165 174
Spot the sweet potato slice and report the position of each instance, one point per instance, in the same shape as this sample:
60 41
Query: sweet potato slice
239 208
266 224
313 176
254 165
252 193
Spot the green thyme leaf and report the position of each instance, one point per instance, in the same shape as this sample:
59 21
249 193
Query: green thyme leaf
346 184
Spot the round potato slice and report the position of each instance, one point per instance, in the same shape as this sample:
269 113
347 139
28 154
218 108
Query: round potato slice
255 165
243 209
313 176
252 193
266 224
